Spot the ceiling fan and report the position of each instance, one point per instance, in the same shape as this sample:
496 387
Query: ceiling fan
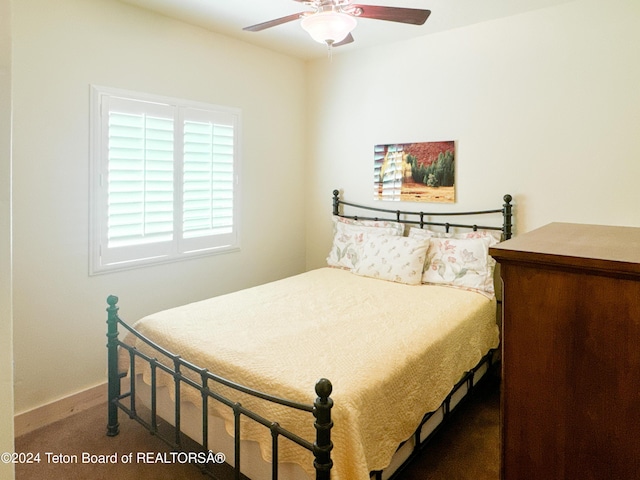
331 21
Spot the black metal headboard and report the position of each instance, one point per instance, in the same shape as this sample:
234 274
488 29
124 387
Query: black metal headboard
423 219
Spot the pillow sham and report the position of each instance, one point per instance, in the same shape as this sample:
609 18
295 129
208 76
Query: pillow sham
394 258
417 232
348 234
461 262
399 227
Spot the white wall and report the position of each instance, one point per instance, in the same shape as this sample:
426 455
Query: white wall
544 105
59 317
6 320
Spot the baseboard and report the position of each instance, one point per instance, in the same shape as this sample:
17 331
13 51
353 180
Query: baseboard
52 412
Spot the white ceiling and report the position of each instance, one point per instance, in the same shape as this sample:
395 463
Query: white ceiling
230 16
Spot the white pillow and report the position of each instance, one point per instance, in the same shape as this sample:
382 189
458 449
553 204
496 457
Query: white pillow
461 262
348 234
416 232
393 258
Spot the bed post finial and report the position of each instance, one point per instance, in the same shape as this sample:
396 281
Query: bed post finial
323 445
336 202
113 427
507 214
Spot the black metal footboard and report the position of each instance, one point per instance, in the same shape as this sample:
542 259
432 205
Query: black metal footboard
180 369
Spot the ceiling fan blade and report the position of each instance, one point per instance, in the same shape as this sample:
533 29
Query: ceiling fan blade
272 23
394 14
348 39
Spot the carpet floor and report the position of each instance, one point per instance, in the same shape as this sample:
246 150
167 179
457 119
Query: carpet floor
467 448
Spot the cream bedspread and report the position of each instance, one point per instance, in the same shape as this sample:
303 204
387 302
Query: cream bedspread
392 352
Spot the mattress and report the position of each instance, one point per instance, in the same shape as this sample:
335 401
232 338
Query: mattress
391 351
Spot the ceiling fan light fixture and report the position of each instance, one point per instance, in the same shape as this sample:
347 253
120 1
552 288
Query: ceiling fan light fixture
329 27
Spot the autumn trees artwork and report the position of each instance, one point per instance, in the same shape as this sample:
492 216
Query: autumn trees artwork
418 172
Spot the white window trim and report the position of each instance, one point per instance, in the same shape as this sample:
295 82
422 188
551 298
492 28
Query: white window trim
151 254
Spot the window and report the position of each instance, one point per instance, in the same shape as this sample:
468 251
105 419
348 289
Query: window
164 180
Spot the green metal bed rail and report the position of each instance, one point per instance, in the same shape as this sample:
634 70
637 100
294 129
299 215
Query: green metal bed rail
321 408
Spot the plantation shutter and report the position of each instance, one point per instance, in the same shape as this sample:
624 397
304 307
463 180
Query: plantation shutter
139 179
164 179
208 179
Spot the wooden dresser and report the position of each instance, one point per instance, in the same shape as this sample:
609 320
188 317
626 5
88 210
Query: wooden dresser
571 353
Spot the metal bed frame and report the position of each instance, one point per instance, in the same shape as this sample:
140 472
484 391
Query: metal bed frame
183 372
422 219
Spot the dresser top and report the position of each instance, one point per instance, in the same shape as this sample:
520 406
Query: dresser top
599 247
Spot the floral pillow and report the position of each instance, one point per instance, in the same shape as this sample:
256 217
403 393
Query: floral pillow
462 262
494 236
393 258
348 234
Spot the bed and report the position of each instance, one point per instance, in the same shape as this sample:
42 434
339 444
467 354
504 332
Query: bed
393 333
